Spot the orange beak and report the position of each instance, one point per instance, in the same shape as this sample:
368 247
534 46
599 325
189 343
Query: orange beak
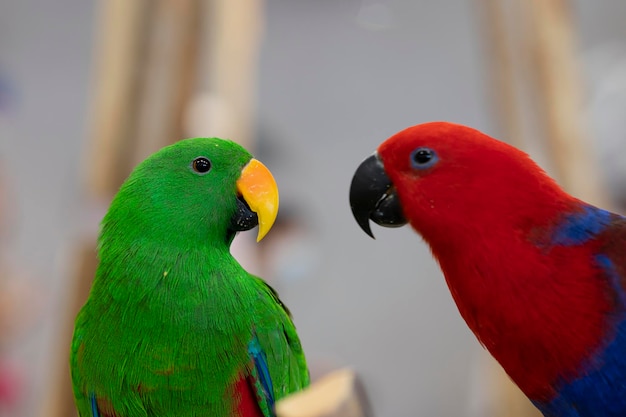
258 188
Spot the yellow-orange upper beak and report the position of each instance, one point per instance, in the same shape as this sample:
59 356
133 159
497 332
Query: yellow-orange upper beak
258 188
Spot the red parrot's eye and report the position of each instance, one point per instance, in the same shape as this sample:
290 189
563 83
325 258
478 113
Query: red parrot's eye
422 158
201 165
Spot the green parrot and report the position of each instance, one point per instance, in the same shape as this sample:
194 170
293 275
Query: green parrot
173 325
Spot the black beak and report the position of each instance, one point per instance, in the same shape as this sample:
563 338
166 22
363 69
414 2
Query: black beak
243 219
373 197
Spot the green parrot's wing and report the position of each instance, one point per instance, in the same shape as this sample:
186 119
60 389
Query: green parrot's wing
281 346
88 402
276 366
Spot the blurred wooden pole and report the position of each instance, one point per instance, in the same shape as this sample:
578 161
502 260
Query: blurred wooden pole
509 399
558 89
122 34
498 41
169 76
237 31
224 105
59 399
338 394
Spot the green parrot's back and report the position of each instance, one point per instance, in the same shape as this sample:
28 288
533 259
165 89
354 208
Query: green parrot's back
171 317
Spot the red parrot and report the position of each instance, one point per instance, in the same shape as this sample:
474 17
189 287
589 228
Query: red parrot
538 275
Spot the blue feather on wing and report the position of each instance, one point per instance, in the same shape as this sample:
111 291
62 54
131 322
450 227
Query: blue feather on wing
601 388
260 363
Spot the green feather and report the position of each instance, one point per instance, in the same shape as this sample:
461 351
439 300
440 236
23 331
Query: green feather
166 326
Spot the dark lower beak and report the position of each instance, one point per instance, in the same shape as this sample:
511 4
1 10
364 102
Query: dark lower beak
373 197
243 219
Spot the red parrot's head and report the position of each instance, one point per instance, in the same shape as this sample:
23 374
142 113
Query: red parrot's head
442 175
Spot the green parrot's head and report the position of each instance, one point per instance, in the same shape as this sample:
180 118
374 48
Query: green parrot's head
197 191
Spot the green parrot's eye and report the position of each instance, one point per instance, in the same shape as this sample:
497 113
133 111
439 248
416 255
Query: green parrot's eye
201 165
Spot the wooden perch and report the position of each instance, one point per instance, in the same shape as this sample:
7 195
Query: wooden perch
59 400
498 42
224 104
559 92
338 394
120 39
168 76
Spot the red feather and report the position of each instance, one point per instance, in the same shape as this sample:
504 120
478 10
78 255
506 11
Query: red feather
247 402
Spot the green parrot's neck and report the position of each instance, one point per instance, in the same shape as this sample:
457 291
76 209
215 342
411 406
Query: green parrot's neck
171 284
